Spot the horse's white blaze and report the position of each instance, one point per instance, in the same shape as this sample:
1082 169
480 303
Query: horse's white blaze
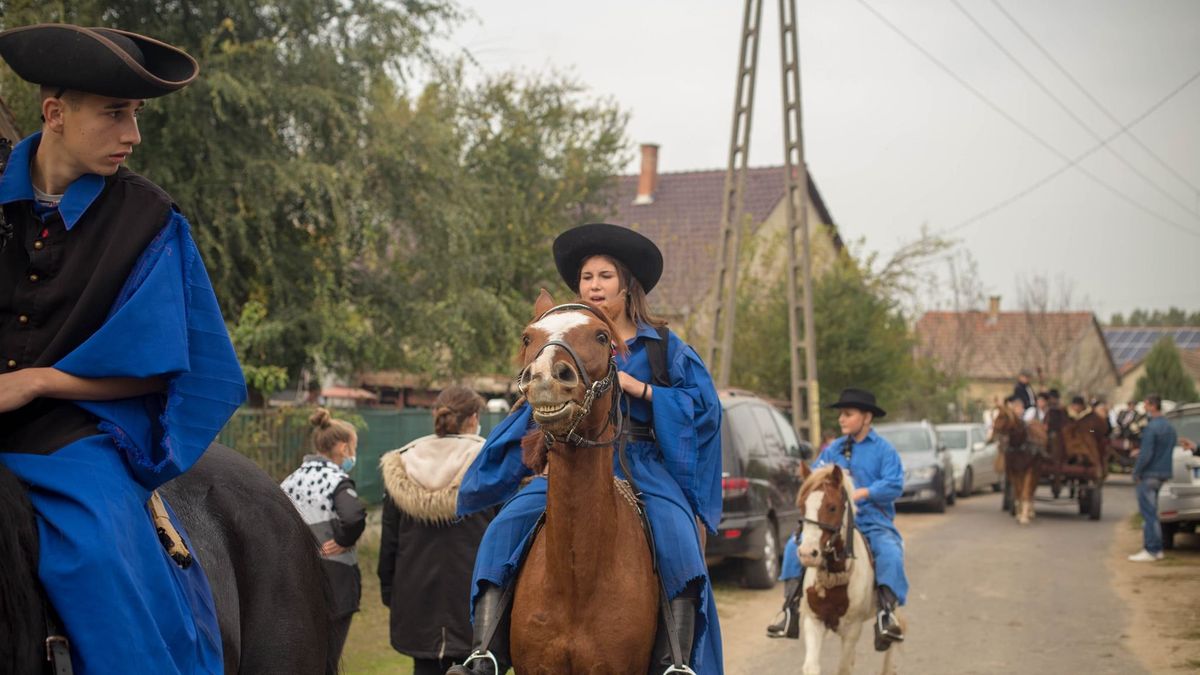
556 326
810 535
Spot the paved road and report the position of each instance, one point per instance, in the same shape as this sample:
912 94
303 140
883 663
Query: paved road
988 597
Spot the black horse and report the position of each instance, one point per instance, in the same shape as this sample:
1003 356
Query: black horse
271 596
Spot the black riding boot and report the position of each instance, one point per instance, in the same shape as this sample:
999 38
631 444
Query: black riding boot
491 617
887 627
683 616
788 625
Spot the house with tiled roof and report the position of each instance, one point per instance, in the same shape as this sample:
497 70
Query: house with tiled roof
681 212
989 349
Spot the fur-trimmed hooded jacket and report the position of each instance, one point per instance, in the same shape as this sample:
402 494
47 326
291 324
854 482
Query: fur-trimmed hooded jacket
426 552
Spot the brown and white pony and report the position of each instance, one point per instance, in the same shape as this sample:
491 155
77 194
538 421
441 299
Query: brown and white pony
839 592
1022 447
586 597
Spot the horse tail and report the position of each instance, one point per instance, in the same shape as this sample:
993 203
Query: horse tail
22 622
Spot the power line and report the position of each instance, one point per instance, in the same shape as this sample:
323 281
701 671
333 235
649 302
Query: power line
1046 90
1012 120
1088 94
1051 176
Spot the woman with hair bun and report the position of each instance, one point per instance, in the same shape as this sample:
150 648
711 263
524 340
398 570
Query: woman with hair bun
324 493
426 553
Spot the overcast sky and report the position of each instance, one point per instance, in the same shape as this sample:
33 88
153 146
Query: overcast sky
894 142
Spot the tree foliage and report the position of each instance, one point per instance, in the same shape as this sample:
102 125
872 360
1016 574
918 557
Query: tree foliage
862 340
1172 316
347 222
1165 375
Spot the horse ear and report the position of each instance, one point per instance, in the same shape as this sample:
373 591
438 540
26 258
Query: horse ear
544 302
804 471
836 476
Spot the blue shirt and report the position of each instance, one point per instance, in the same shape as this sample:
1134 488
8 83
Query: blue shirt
875 465
17 185
1154 455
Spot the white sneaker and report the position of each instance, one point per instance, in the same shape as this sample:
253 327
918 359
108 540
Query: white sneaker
1146 556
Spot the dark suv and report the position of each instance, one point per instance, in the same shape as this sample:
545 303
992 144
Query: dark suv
760 456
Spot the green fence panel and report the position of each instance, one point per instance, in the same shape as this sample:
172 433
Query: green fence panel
277 440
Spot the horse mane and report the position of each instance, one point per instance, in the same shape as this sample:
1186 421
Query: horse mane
822 476
21 617
534 453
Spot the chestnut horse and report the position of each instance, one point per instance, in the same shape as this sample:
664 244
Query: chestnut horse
270 593
840 596
1085 441
1022 447
586 597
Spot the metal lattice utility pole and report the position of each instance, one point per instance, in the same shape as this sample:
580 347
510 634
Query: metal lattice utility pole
720 343
802 349
806 413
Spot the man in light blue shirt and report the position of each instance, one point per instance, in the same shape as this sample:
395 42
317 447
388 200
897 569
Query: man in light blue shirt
1152 469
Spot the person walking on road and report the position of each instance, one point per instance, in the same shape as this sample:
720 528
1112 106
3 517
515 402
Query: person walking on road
1152 469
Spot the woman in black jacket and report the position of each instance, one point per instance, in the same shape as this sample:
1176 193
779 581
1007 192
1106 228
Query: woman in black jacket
426 553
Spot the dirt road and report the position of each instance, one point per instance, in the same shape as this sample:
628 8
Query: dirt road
987 596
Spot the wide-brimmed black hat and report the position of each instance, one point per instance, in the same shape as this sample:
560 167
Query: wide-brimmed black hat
102 61
859 399
634 250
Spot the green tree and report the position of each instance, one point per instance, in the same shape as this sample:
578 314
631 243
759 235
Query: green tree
1165 375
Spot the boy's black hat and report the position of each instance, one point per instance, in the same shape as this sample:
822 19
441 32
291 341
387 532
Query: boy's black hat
102 61
634 250
859 399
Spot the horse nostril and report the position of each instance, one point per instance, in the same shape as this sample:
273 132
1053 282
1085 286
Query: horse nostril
812 553
564 373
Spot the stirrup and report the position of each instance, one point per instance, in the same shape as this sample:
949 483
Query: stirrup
883 632
679 669
481 656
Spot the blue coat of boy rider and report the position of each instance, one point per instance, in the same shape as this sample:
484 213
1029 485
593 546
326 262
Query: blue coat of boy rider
674 451
878 475
116 371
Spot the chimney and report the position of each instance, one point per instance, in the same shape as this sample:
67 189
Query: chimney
993 309
648 180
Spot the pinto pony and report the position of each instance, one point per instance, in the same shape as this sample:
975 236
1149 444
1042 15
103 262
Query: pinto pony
271 596
586 598
840 596
1021 446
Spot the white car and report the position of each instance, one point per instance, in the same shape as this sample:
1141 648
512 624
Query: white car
1179 498
973 457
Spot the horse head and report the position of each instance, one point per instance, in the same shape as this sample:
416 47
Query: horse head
1008 429
826 512
569 372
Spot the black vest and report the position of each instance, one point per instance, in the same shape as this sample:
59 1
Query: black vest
56 289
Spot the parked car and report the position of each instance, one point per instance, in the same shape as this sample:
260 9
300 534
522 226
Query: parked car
1179 499
928 473
760 456
973 457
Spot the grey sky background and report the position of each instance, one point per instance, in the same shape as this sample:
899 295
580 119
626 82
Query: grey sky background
894 143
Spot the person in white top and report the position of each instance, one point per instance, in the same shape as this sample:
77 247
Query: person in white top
1038 412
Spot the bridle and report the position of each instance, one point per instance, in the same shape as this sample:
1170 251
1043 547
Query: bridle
830 552
594 389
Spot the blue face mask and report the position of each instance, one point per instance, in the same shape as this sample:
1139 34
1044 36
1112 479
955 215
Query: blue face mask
348 464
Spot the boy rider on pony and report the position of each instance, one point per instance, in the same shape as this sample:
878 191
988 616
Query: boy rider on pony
116 371
874 465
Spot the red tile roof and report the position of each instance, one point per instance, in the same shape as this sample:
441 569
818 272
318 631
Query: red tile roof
685 221
999 347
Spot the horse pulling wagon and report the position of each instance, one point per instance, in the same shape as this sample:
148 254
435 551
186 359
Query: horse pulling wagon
1070 453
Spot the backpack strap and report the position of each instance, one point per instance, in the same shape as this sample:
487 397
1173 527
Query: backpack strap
656 352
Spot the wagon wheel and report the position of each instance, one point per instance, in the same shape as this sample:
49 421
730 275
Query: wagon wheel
1085 501
1094 507
1006 504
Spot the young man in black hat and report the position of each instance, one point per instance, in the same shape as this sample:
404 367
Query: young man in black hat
116 371
874 466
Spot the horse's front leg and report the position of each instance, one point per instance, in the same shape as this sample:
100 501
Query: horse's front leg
849 641
814 634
